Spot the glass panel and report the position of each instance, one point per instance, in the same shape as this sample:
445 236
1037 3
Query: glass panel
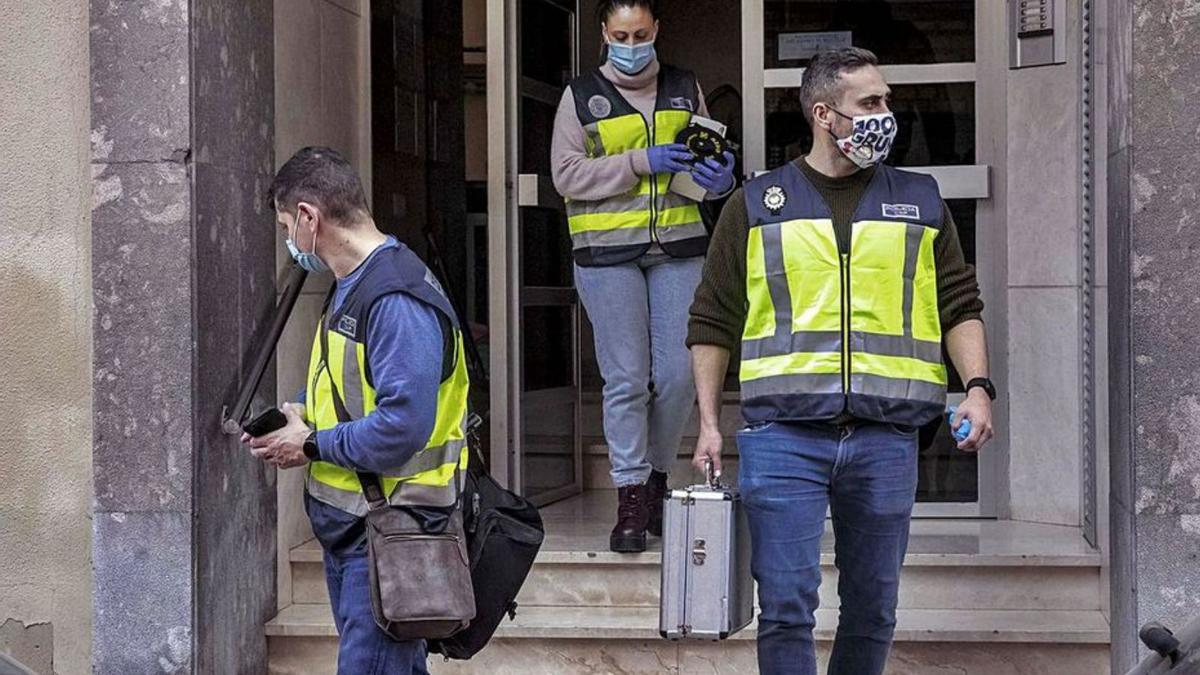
537 128
945 473
545 42
937 125
898 31
963 212
548 399
545 248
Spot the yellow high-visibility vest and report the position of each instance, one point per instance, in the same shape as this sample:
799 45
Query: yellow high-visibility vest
621 228
428 477
830 330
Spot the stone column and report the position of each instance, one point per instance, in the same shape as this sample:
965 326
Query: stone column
182 264
1154 232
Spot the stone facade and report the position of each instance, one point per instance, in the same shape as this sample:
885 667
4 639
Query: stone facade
182 151
1155 411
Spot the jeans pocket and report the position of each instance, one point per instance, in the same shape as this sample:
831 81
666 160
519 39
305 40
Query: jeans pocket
757 426
902 429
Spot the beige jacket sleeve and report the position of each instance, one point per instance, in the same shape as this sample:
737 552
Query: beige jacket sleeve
577 176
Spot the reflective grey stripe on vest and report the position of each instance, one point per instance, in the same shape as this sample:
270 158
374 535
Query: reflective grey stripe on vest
681 231
887 387
896 345
352 381
619 204
792 343
912 249
782 385
405 492
626 236
593 132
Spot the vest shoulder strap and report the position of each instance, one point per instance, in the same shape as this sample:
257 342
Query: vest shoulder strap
597 99
896 194
783 194
396 269
677 90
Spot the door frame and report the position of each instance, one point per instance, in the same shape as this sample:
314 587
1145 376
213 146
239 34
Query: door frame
508 190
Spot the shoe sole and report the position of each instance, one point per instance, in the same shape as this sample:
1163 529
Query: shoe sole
627 544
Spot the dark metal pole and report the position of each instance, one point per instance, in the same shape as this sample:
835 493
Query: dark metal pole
291 292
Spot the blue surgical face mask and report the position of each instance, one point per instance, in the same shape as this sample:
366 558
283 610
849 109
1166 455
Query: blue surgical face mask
306 261
631 59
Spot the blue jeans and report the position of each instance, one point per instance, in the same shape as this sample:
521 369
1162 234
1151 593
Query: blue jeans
639 315
363 649
867 475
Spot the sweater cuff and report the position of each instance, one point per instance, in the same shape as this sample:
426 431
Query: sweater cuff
325 441
701 332
640 160
961 319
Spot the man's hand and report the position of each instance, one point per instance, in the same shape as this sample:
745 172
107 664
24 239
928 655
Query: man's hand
708 447
283 448
978 409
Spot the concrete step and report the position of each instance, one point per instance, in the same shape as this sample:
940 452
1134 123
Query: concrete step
951 564
625 640
928 581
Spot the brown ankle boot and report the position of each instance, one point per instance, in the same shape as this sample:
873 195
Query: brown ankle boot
656 492
629 536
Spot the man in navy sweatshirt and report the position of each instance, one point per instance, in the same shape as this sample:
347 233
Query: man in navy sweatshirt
391 367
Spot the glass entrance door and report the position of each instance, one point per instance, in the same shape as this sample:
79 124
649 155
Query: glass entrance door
536 423
932 53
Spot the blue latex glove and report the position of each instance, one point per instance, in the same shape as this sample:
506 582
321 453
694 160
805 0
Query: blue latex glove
714 176
670 158
964 429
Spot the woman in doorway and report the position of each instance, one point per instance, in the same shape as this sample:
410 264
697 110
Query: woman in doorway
638 248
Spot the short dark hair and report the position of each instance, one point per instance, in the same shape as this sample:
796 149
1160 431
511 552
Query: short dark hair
323 177
605 8
821 81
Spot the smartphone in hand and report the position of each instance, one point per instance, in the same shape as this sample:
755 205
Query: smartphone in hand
271 419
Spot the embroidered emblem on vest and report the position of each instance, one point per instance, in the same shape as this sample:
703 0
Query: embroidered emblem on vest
681 103
775 199
909 211
599 106
347 325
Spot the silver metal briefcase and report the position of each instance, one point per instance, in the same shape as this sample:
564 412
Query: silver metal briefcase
707 589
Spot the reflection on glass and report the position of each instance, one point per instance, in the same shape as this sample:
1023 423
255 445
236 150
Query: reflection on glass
937 125
963 212
898 31
545 248
546 47
548 398
945 473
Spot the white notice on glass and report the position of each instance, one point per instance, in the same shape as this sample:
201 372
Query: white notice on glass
800 46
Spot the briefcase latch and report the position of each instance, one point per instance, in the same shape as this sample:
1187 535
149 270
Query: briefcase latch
698 553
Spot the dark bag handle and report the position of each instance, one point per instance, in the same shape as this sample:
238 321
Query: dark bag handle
371 485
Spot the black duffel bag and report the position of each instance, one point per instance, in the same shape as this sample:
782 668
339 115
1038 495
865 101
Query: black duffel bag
504 533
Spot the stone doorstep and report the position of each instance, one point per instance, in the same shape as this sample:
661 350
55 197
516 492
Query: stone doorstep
638 623
930 581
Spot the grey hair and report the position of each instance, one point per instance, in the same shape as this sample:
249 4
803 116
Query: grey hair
821 77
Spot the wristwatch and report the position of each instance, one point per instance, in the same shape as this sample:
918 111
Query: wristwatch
983 383
311 451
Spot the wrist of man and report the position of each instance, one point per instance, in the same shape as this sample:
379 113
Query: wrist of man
312 446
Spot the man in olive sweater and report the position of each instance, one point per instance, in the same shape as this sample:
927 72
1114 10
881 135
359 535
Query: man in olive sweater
840 278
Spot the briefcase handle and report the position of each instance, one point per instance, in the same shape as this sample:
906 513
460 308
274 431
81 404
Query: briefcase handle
710 474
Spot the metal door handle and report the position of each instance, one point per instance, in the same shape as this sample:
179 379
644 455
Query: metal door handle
698 552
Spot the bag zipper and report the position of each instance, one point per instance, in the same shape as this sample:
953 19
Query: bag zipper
419 537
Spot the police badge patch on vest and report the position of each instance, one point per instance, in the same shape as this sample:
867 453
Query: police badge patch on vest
681 103
347 325
909 211
599 106
774 198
